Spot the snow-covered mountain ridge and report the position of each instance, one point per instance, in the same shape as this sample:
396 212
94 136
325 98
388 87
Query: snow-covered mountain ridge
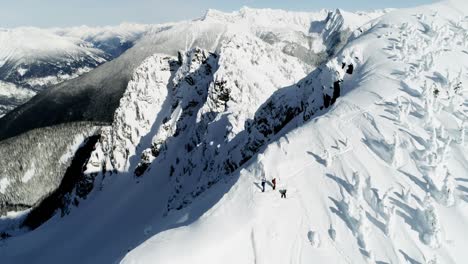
370 146
293 38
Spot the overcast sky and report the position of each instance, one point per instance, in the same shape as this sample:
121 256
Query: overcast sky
51 13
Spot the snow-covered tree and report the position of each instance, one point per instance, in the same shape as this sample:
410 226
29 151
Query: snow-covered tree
406 194
429 110
433 146
425 88
332 232
431 159
432 235
442 132
399 103
357 185
390 221
362 227
403 111
448 189
370 196
383 204
314 239
397 158
328 158
455 102
445 151
461 138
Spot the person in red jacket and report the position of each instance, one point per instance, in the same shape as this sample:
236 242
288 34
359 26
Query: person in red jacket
274 183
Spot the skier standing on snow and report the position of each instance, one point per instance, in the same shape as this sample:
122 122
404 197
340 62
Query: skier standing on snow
283 193
263 183
274 183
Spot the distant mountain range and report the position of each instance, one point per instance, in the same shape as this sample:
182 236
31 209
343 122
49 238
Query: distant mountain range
32 59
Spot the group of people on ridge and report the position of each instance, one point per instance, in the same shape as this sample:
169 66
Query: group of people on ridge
273 185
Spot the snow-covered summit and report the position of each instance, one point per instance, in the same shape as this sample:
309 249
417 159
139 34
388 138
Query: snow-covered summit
293 20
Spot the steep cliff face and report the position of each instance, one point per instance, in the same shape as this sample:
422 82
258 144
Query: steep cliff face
144 100
194 120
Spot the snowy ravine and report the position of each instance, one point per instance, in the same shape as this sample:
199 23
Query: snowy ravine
370 146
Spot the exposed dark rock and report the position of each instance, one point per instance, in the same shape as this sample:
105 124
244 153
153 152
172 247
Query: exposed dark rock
336 91
141 168
350 69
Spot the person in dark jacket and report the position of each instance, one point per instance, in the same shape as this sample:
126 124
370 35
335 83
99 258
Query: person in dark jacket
263 184
274 183
283 193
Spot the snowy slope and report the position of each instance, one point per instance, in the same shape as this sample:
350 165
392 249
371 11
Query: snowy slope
369 145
